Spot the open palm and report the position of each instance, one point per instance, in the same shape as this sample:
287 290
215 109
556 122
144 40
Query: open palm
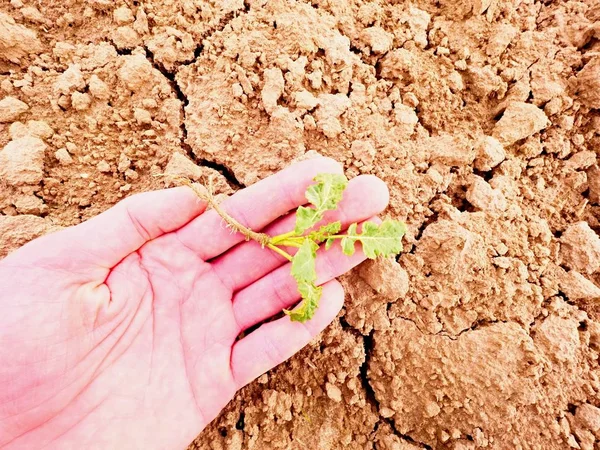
122 332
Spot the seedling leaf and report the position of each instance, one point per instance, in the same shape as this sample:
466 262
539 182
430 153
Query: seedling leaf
324 195
303 262
348 242
311 295
306 218
377 240
325 231
305 274
327 192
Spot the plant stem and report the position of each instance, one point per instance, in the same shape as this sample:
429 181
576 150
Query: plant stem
288 243
280 251
282 237
262 238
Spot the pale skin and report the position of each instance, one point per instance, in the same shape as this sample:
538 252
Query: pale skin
122 332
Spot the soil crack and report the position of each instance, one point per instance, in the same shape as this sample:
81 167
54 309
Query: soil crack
370 393
171 78
221 168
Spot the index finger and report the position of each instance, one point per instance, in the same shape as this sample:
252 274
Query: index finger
255 207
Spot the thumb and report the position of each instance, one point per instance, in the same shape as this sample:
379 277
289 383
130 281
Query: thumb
109 237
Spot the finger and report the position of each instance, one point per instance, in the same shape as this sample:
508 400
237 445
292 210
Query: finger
276 341
365 196
107 238
254 207
278 290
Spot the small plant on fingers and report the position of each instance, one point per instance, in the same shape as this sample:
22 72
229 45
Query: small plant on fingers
383 239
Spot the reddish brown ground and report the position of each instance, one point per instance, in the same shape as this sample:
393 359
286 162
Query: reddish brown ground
482 117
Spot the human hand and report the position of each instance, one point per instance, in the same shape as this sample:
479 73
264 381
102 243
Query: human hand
121 332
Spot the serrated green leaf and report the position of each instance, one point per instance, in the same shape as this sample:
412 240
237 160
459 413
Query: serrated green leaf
328 190
306 218
325 231
324 195
311 295
384 239
303 262
348 241
305 274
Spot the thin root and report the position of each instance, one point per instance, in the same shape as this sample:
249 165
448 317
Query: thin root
206 194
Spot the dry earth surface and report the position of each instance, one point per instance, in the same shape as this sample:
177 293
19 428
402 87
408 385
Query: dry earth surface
481 115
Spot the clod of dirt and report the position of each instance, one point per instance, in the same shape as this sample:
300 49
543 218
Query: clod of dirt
593 178
364 152
519 121
577 287
462 270
377 39
34 128
366 310
69 81
482 196
588 83
272 89
448 150
179 165
16 42
135 71
386 276
305 100
490 153
98 88
18 230
333 392
582 160
587 417
450 248
63 156
126 38
142 116
123 15
558 336
32 14
585 437
502 36
80 101
11 108
30 204
22 161
103 167
580 248
331 107
498 353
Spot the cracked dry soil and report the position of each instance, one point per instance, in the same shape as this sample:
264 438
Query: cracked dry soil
482 117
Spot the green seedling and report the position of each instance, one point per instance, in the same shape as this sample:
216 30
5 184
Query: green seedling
383 239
